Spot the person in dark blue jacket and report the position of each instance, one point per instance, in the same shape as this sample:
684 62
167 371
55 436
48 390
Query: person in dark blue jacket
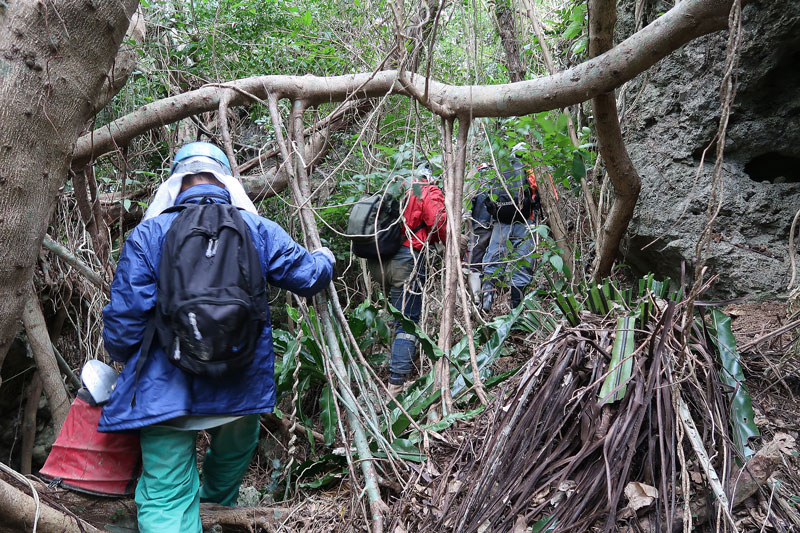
481 221
171 405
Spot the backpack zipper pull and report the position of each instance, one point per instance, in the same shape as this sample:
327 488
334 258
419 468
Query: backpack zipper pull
193 322
211 251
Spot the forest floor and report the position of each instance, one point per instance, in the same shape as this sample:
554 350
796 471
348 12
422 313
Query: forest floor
776 403
772 370
773 376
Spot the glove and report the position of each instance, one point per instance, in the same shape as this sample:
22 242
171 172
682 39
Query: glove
327 253
463 244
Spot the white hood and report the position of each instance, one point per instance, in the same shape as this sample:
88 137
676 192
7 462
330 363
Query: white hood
168 192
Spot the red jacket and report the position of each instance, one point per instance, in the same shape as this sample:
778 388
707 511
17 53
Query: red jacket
427 213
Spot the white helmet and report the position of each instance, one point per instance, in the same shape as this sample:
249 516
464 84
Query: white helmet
424 172
519 149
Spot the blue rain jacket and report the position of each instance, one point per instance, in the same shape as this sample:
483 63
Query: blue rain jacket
163 390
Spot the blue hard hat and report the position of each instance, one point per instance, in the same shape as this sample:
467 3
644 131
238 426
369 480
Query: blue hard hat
202 150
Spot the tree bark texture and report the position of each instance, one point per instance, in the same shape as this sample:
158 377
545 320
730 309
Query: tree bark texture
507 29
45 358
33 393
687 20
455 162
124 64
620 169
18 510
55 56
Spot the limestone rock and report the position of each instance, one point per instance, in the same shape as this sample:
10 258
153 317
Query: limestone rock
672 114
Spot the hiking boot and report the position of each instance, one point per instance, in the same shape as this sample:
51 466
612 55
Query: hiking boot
488 296
516 296
475 286
395 389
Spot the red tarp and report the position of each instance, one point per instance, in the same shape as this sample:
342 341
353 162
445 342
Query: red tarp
86 460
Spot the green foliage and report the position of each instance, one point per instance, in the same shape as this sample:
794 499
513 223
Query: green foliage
742 416
367 326
571 28
606 297
207 39
551 147
370 329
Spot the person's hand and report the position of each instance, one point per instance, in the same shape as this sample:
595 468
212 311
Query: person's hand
327 253
463 244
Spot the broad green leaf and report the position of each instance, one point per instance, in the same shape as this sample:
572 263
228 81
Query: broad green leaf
322 481
572 30
447 421
557 262
494 347
621 364
293 313
328 415
742 415
569 307
416 401
578 166
428 346
598 303
561 122
539 527
407 450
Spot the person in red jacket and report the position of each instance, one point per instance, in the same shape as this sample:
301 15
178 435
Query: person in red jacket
404 274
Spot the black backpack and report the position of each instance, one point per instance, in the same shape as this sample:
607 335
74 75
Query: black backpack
514 201
375 226
211 305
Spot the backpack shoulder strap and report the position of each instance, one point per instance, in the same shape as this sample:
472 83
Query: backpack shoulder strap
175 208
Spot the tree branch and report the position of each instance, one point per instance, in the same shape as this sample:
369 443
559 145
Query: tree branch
505 24
551 206
224 102
124 63
79 265
621 172
45 358
32 395
19 509
681 24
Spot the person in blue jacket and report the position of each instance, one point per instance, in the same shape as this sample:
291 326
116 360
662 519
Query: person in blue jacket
171 405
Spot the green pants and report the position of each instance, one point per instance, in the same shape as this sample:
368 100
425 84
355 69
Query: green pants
168 494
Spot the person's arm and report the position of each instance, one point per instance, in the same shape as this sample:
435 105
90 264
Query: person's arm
292 267
434 214
133 298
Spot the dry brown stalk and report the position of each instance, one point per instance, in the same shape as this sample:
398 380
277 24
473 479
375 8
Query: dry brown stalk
45 358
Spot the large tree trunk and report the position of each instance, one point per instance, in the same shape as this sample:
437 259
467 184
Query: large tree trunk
621 172
54 64
507 29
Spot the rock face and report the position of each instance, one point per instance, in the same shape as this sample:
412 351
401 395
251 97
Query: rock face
672 114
